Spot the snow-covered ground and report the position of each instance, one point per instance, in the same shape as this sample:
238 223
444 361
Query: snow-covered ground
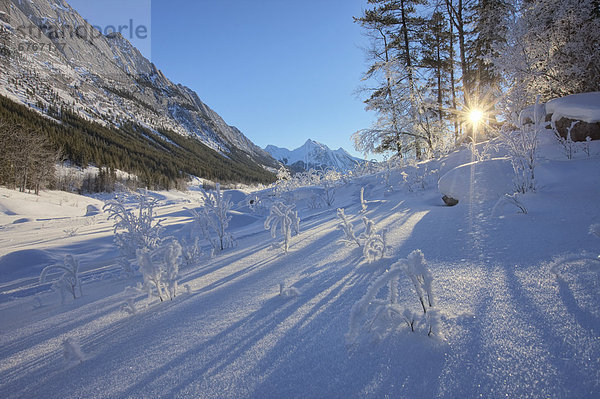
511 326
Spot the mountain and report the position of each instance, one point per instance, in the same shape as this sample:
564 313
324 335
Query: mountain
52 59
313 154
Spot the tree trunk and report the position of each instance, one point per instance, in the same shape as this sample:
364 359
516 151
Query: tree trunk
452 80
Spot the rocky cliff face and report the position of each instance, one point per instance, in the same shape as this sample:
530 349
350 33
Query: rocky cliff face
51 57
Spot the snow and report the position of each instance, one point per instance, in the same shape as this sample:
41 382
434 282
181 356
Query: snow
584 107
315 155
478 181
511 326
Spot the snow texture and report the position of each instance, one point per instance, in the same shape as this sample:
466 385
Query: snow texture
511 327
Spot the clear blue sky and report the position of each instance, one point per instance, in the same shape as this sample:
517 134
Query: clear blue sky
282 71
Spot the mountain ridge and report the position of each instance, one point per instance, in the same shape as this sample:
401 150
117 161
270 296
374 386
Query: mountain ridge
313 154
102 78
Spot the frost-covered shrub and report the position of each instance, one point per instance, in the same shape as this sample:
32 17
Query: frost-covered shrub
284 181
415 177
134 228
389 165
69 281
586 146
160 269
416 269
258 204
284 217
522 149
374 244
363 203
509 199
308 178
569 146
347 228
328 182
129 306
365 168
375 317
213 219
484 152
191 252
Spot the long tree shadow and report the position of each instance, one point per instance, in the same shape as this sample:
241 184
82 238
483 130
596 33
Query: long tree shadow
233 343
574 381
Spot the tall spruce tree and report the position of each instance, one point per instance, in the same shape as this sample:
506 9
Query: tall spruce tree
437 62
393 26
489 31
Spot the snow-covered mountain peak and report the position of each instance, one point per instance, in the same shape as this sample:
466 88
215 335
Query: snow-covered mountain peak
313 154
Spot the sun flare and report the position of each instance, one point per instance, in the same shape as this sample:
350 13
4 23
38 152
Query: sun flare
475 116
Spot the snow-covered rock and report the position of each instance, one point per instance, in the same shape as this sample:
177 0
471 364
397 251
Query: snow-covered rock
582 109
478 181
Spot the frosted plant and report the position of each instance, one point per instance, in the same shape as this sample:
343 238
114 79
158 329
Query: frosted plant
328 192
311 177
569 146
387 172
329 181
374 244
363 203
284 181
213 218
484 151
129 306
389 165
376 317
286 218
511 199
134 229
69 281
288 292
345 225
416 178
522 149
257 204
160 269
72 351
586 146
416 269
191 252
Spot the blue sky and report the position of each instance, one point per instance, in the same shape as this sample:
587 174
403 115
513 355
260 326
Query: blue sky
282 71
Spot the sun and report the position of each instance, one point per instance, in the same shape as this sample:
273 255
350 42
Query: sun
475 116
